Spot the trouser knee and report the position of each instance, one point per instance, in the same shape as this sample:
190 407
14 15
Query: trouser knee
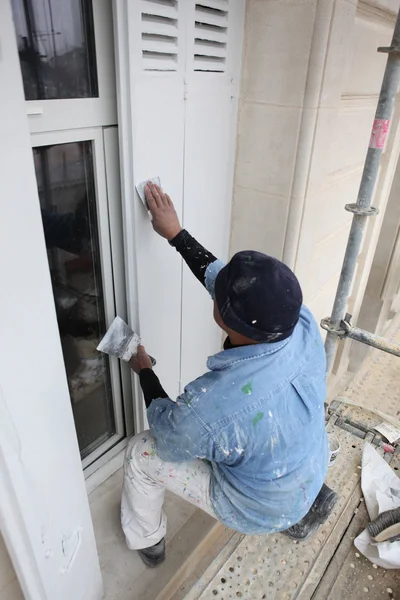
140 449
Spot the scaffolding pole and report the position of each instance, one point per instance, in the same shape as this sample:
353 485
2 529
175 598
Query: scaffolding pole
336 325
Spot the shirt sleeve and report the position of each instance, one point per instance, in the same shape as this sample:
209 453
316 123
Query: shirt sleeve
179 435
151 386
203 264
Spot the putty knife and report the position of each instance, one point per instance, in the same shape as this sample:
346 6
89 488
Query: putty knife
120 341
140 189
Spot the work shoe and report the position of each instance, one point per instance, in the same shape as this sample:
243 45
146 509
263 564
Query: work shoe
153 556
316 516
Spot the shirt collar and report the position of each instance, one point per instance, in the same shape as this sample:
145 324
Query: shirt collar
227 358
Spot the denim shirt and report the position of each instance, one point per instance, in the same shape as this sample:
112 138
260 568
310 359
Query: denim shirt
257 416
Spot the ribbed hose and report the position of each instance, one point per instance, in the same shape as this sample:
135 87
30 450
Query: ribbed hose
384 521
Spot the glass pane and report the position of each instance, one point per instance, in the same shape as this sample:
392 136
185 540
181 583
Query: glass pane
56 48
67 198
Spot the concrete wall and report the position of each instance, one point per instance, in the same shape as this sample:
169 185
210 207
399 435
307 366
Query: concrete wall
9 586
311 79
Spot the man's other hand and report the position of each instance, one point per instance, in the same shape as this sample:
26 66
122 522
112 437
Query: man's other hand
140 361
165 219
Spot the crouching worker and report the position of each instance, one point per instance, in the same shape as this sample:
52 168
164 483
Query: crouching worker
246 442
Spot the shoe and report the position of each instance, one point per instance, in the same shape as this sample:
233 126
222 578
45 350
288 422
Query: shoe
153 556
316 516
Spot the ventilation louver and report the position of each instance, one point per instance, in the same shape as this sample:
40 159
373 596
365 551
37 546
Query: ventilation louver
160 35
211 35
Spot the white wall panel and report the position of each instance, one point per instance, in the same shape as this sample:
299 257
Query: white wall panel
44 509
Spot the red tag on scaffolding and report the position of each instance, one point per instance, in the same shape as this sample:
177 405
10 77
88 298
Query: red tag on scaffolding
379 132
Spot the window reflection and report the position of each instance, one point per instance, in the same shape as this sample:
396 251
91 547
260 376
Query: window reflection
56 48
67 196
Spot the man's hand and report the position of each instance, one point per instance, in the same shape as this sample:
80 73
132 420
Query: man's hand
165 219
140 361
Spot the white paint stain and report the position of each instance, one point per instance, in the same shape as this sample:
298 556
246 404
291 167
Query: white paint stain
70 545
119 340
280 473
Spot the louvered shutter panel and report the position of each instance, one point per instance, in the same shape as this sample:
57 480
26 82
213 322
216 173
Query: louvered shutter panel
160 35
211 36
179 49
214 43
155 33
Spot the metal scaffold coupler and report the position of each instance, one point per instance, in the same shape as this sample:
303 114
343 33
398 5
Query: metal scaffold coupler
369 211
389 49
339 331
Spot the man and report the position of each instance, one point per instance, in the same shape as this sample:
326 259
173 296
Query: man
246 442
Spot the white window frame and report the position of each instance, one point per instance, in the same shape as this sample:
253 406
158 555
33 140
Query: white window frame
112 285
74 113
95 119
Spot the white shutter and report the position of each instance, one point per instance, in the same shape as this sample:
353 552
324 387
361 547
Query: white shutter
152 109
210 35
214 36
169 50
160 35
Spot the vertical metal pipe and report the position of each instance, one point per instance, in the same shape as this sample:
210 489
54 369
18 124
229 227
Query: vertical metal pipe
370 174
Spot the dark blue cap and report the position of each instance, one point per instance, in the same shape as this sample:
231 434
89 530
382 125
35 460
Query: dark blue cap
259 297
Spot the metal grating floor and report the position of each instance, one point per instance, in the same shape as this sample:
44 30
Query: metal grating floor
351 575
327 567
274 566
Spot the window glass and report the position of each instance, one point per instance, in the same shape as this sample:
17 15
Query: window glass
68 205
56 48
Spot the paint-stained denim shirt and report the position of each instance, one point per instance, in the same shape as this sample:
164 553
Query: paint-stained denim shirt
257 416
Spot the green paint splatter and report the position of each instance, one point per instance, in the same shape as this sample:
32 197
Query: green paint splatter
257 418
247 389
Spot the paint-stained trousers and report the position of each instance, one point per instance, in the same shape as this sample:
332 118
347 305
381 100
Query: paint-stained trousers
146 477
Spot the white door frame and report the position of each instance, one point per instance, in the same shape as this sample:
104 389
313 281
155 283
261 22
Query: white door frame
79 119
122 45
108 265
44 510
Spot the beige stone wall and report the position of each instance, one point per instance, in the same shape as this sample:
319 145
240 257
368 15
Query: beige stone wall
311 79
346 110
275 62
9 586
382 294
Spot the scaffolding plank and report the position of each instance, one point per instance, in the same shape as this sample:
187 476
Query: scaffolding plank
276 568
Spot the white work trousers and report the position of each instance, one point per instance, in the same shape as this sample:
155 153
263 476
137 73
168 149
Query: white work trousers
146 477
